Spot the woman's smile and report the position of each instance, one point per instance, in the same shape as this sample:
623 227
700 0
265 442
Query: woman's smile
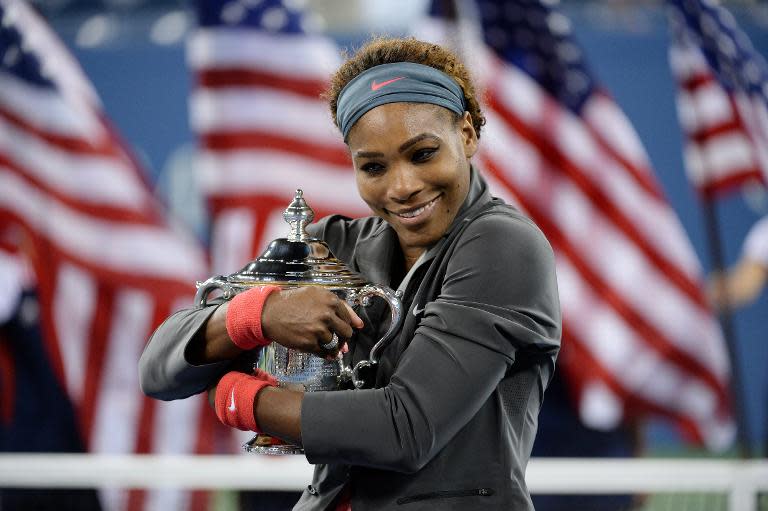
416 215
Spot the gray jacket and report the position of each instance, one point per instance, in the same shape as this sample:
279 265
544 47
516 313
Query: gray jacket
451 419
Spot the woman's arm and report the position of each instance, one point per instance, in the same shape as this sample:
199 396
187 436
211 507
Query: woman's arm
498 305
165 372
193 348
278 413
301 318
213 343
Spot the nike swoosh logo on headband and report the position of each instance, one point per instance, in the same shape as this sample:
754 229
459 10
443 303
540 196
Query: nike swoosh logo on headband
377 86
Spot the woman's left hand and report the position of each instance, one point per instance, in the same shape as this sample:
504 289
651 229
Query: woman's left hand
309 318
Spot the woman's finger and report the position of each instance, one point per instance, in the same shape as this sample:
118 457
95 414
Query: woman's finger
341 327
348 314
355 319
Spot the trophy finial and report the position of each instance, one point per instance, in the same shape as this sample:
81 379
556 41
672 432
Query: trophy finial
298 214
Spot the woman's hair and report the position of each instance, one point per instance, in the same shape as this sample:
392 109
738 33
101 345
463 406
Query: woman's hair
385 50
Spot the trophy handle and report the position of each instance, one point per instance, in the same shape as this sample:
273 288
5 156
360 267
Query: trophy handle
217 282
363 297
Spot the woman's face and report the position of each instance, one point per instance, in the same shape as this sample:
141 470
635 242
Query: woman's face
412 168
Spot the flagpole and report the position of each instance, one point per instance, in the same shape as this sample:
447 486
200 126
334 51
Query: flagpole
725 317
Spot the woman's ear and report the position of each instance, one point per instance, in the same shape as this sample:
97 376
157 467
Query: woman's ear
468 134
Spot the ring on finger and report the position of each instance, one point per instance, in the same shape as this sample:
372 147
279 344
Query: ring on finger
332 344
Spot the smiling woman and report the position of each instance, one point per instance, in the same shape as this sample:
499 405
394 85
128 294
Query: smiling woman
451 412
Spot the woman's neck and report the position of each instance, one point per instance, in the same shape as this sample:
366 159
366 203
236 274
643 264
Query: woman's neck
402 262
411 255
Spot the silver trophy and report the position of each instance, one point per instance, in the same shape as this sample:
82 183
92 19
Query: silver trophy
295 261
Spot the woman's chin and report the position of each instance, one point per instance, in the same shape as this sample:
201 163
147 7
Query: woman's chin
422 239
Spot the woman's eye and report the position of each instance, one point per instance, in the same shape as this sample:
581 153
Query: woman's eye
372 168
424 154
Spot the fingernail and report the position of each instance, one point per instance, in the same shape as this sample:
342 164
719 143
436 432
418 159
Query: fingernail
345 349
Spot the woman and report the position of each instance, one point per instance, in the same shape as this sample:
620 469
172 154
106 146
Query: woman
452 416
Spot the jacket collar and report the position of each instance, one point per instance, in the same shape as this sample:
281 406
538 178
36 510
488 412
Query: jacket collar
374 253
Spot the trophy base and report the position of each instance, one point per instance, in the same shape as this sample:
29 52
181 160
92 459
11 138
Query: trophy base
265 444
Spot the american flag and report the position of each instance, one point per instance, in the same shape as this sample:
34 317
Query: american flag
263 129
638 335
107 264
722 97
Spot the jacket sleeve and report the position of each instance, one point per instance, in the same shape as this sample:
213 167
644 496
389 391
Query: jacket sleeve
498 299
164 372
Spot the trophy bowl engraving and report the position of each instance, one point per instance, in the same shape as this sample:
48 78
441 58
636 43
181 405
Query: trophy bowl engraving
299 371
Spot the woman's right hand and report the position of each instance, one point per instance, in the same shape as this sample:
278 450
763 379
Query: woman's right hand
305 318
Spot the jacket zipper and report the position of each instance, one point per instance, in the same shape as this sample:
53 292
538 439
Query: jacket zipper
477 492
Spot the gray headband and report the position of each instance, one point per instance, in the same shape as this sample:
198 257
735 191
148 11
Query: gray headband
399 82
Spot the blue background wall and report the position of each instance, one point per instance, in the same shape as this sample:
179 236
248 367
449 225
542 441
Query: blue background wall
145 87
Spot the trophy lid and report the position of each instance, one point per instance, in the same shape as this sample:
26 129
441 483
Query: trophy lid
298 259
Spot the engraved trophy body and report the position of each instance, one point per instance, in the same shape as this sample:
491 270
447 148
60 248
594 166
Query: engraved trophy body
295 261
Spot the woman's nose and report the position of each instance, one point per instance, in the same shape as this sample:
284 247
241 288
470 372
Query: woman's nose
404 184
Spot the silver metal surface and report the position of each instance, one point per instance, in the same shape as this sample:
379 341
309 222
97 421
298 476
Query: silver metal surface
265 444
298 214
363 297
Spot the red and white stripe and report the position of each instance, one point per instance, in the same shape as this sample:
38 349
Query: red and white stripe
108 266
726 132
264 132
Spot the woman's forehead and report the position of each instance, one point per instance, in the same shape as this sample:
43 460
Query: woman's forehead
392 121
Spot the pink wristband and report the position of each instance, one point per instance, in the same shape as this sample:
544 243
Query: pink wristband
235 395
244 317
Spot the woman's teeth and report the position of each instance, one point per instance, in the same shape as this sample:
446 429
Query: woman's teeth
416 212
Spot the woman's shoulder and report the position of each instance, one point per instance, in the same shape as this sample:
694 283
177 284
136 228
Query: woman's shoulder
342 234
502 225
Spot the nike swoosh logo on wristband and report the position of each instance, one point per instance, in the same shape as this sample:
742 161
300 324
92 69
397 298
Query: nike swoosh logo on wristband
232 406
